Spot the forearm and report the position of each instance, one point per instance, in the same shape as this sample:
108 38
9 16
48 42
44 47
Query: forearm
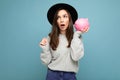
45 54
77 48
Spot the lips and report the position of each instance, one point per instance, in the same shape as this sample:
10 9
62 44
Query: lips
62 25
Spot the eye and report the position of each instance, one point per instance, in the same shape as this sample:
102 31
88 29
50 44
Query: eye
58 17
65 16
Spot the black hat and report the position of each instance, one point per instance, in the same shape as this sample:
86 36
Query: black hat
54 8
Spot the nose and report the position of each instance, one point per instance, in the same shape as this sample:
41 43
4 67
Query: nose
61 20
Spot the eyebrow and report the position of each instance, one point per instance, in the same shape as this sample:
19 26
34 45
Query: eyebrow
63 15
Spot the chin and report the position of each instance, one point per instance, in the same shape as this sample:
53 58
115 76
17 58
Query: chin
63 29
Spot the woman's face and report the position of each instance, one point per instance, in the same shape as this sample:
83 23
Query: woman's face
63 20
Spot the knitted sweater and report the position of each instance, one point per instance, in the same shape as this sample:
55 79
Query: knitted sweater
63 58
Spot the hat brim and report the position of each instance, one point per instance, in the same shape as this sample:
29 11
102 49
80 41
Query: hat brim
51 12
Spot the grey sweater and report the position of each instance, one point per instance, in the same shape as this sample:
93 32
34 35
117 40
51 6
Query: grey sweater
63 58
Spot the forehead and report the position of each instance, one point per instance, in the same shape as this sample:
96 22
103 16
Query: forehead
62 12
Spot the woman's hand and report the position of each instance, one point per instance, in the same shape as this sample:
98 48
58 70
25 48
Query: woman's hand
85 29
43 42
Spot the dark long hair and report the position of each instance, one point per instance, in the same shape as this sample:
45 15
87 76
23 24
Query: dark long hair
54 34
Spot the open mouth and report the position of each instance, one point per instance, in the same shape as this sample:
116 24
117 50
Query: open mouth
62 25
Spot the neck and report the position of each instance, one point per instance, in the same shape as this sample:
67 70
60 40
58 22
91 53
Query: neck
63 32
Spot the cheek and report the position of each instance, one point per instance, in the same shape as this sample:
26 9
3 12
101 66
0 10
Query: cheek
67 22
58 22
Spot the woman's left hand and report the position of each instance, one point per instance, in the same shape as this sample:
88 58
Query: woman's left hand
85 29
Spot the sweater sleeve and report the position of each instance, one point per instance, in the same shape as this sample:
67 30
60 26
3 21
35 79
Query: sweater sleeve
77 48
45 54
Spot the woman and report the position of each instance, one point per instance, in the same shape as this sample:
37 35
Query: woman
63 48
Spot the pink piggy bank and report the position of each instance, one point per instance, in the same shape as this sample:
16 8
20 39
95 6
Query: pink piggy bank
81 24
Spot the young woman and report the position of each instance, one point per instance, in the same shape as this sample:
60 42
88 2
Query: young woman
63 48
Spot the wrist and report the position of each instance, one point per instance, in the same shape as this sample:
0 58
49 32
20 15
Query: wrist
77 34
